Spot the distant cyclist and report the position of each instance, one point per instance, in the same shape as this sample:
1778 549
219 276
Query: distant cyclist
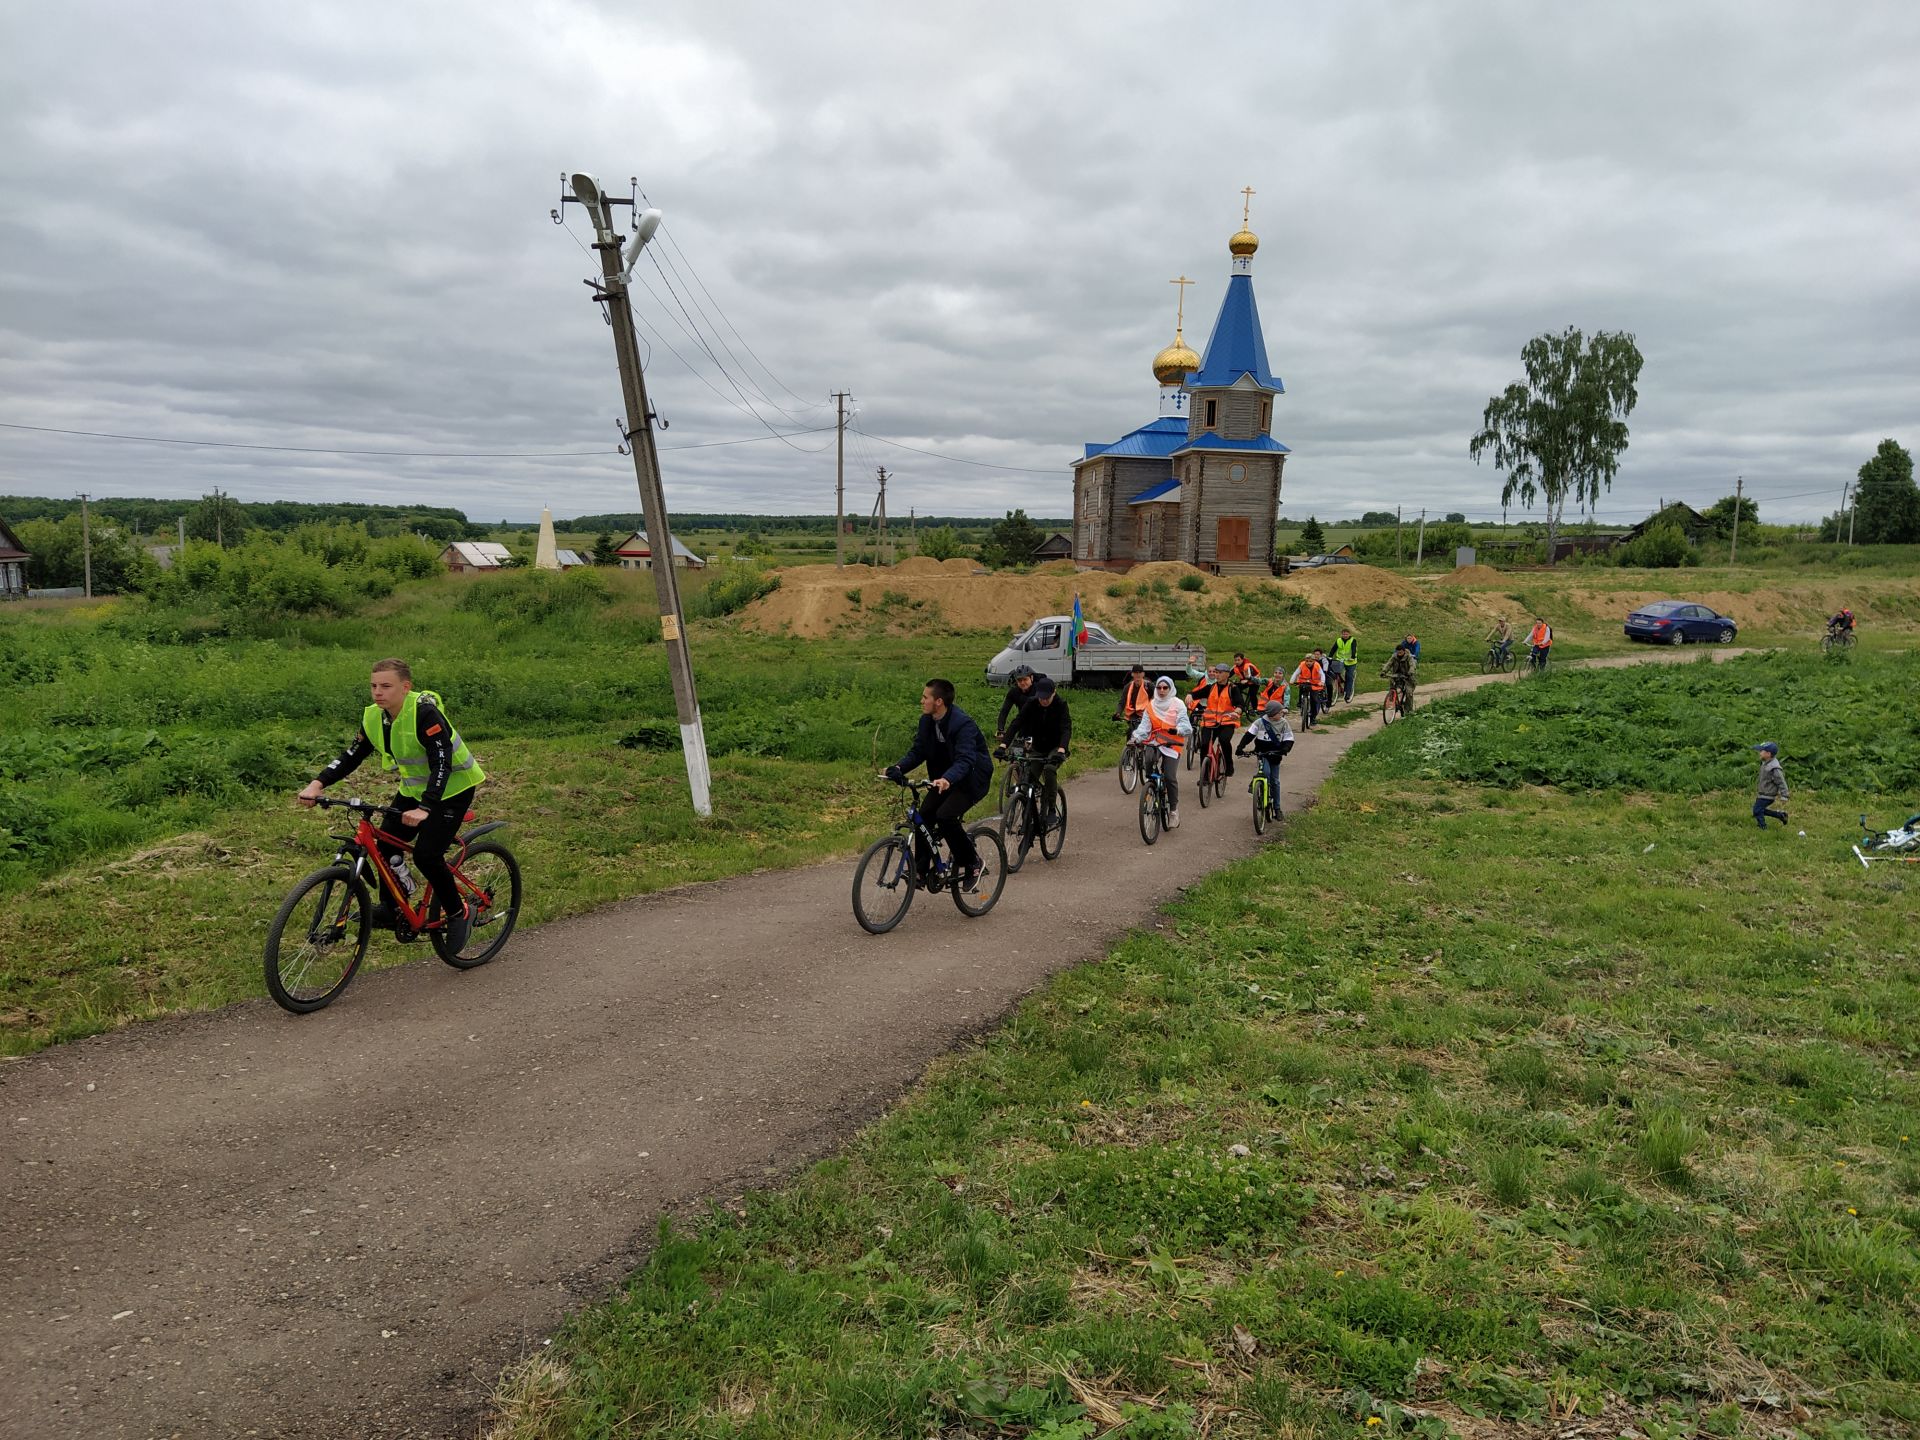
1047 726
1271 738
1399 672
1345 656
409 730
1217 715
1539 643
1019 691
1244 680
1165 725
1841 624
1500 637
1134 698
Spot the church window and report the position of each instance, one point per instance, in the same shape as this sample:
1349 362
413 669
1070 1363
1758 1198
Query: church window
1237 472
1266 414
1213 413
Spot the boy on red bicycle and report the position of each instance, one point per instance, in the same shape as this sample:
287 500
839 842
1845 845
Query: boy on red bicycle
409 730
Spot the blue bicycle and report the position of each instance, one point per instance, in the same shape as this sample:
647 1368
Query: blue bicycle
885 880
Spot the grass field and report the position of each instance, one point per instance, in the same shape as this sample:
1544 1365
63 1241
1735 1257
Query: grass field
1464 1109
146 753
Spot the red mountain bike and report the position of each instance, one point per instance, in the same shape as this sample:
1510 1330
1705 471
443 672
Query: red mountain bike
320 935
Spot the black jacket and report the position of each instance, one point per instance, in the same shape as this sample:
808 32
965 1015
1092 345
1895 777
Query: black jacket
1016 699
1047 727
952 749
436 737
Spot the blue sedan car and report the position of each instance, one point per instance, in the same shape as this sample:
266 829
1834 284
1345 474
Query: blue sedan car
1675 622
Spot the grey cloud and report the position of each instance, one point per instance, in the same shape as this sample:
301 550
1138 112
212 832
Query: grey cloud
329 228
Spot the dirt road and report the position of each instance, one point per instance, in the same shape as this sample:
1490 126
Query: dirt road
247 1223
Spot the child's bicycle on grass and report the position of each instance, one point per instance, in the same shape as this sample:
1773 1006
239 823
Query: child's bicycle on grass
886 878
319 938
1900 844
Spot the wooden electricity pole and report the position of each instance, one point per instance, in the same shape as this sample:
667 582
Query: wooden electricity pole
840 479
1739 482
86 544
638 430
1420 548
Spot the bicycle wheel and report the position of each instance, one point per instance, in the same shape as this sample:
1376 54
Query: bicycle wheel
1490 662
1053 838
489 878
1013 827
1193 751
1008 785
993 873
1389 710
1208 768
1260 804
1129 768
1506 663
883 884
1149 813
307 970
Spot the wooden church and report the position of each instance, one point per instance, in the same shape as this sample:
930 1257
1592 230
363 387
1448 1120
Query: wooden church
1200 483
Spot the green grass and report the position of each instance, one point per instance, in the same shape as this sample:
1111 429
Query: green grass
1503 1102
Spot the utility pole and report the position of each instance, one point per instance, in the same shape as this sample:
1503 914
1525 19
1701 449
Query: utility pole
219 518
840 480
1844 486
1852 511
1396 534
880 527
180 529
913 540
86 543
1420 550
638 431
1739 483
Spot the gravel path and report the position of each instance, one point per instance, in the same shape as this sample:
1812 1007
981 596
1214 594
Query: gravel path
344 1224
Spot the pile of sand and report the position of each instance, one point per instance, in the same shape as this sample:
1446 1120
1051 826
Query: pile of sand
1474 575
918 565
1171 571
816 600
1341 589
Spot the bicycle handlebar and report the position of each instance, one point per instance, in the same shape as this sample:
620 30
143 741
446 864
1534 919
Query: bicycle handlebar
358 804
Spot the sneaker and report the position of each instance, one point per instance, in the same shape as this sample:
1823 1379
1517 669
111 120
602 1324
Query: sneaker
460 929
1173 821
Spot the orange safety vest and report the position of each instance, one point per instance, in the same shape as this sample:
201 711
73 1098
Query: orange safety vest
1542 635
1276 689
1311 674
1162 735
1136 697
1219 708
1245 670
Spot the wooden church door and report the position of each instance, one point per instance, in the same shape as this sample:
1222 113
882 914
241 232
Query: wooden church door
1230 544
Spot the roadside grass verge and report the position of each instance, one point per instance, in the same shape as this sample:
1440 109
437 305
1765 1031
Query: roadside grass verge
1459 1107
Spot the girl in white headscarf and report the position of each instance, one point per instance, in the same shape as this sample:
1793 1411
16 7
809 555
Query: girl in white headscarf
1165 726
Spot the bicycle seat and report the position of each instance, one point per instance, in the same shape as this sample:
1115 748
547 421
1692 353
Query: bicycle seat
470 816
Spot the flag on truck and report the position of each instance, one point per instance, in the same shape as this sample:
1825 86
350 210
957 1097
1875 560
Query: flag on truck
1078 637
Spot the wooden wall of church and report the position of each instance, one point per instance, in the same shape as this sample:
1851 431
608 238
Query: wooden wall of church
1238 413
1212 492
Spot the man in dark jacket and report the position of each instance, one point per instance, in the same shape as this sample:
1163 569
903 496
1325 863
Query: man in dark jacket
1047 726
954 751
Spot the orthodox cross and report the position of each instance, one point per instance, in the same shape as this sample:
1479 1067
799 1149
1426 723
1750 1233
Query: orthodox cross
1181 316
1246 206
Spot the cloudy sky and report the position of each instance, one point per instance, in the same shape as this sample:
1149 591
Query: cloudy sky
326 226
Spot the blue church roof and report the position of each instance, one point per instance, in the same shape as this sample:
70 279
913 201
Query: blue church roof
1258 445
1237 347
1156 492
1154 440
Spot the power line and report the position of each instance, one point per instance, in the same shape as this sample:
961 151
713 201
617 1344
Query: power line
957 459
396 454
315 449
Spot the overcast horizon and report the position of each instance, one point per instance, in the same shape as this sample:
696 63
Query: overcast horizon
330 230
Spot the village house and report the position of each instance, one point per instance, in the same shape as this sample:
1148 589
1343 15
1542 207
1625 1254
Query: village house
466 557
13 565
636 553
1201 482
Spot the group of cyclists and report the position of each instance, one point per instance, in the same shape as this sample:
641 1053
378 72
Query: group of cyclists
1500 643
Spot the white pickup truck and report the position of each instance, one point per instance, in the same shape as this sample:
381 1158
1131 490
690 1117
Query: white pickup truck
1103 660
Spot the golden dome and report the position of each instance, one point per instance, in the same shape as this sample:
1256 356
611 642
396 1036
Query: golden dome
1244 242
1171 365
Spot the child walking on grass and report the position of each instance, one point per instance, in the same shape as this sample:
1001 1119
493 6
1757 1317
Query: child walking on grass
1773 786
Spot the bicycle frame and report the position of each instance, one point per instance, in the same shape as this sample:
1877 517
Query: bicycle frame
365 847
913 824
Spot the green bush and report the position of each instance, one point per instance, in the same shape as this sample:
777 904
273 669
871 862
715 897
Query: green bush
1662 547
1192 584
730 588
537 597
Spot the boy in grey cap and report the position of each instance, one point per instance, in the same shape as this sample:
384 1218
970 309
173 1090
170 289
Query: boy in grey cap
1773 785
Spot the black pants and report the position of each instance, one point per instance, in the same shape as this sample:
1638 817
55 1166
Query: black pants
945 811
430 842
1223 734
